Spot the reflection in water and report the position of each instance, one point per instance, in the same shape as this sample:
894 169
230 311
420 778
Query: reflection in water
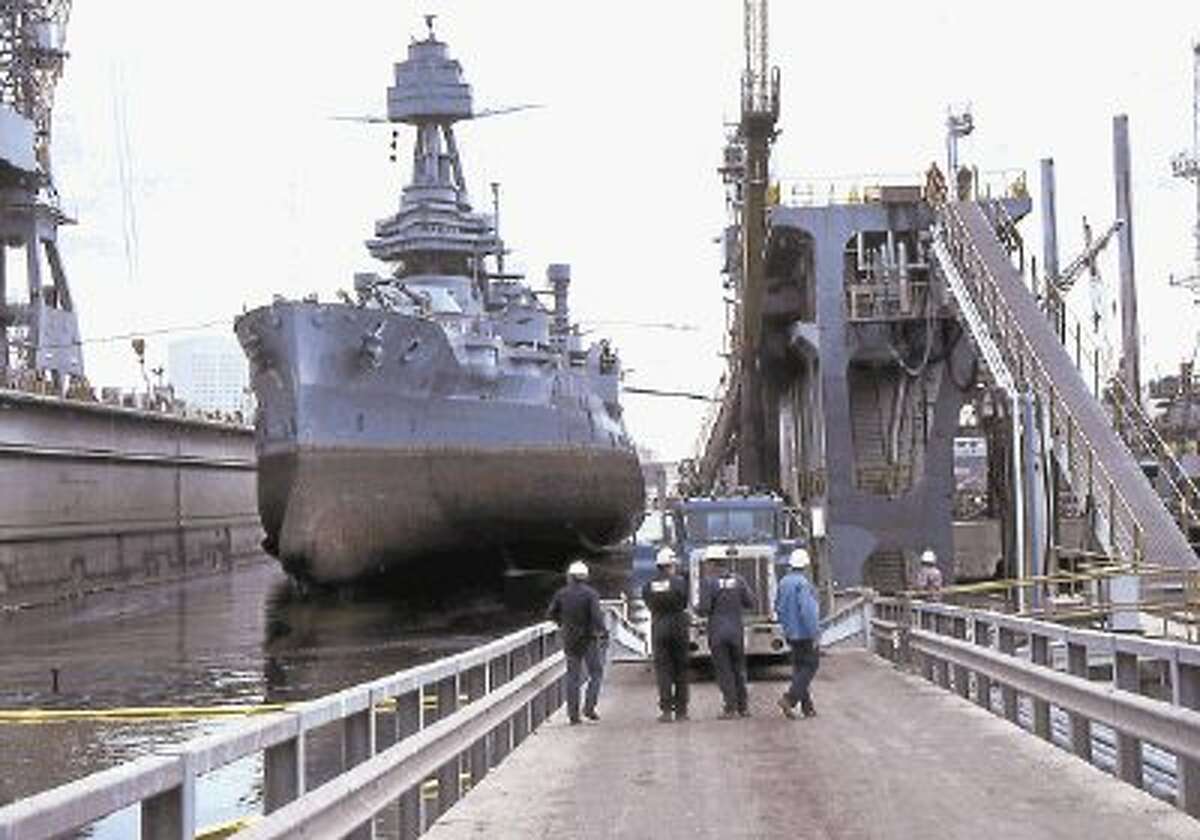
244 637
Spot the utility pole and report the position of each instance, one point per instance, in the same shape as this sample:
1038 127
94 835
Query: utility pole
756 130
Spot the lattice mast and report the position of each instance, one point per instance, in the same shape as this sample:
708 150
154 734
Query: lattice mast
756 131
32 54
39 331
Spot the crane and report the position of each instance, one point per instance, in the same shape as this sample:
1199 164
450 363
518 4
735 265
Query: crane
43 327
756 131
32 54
1058 285
1066 278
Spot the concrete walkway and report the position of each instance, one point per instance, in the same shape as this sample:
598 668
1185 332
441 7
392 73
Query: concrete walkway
889 757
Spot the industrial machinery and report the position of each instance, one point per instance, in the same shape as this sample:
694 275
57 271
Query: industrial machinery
39 330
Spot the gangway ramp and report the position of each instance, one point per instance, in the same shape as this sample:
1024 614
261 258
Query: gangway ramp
889 757
1135 525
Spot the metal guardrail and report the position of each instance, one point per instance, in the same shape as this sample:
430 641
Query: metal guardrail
849 621
977 654
453 720
627 623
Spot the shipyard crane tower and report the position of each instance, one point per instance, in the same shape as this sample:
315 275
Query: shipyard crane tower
39 339
756 132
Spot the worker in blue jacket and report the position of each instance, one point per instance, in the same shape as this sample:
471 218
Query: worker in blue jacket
724 597
797 610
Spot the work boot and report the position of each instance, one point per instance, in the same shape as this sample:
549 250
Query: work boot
727 714
664 717
590 714
745 713
575 721
786 708
681 715
808 710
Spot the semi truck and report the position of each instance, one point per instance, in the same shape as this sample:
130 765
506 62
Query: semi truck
754 533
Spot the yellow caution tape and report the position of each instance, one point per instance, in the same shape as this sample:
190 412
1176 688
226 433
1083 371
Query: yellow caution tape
135 713
160 712
987 586
225 829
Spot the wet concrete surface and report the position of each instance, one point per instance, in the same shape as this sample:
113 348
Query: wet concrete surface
245 637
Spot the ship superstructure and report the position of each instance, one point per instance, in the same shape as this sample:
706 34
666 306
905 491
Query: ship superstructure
442 408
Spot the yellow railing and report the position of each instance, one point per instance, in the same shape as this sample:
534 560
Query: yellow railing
870 188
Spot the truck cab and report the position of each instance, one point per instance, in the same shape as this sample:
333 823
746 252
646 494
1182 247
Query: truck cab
754 534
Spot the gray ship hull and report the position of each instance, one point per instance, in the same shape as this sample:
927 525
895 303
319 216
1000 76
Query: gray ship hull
376 469
343 514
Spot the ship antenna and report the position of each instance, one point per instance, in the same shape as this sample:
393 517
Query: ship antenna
429 19
496 225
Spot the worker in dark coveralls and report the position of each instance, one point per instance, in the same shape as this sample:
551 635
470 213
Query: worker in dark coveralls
667 597
797 610
576 610
724 596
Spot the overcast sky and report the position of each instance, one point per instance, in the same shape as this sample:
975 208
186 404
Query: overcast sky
194 143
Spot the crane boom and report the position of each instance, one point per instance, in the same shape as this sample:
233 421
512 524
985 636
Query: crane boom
756 132
1066 278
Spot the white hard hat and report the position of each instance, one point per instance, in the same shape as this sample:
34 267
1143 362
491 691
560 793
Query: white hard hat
928 557
578 569
799 559
665 557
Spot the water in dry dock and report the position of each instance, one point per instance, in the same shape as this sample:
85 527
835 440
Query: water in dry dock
243 637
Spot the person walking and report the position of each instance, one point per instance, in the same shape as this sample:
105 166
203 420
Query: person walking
576 610
796 609
667 597
724 597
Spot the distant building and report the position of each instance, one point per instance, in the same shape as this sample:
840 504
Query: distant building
662 480
209 372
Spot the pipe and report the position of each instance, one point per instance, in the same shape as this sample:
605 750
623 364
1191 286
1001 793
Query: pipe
1019 498
1130 349
1049 222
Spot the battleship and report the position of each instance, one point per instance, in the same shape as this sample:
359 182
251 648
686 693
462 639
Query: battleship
442 408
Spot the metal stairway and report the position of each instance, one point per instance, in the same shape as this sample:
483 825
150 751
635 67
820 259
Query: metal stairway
1131 520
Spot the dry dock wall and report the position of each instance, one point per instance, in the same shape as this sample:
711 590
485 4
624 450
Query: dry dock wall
94 496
